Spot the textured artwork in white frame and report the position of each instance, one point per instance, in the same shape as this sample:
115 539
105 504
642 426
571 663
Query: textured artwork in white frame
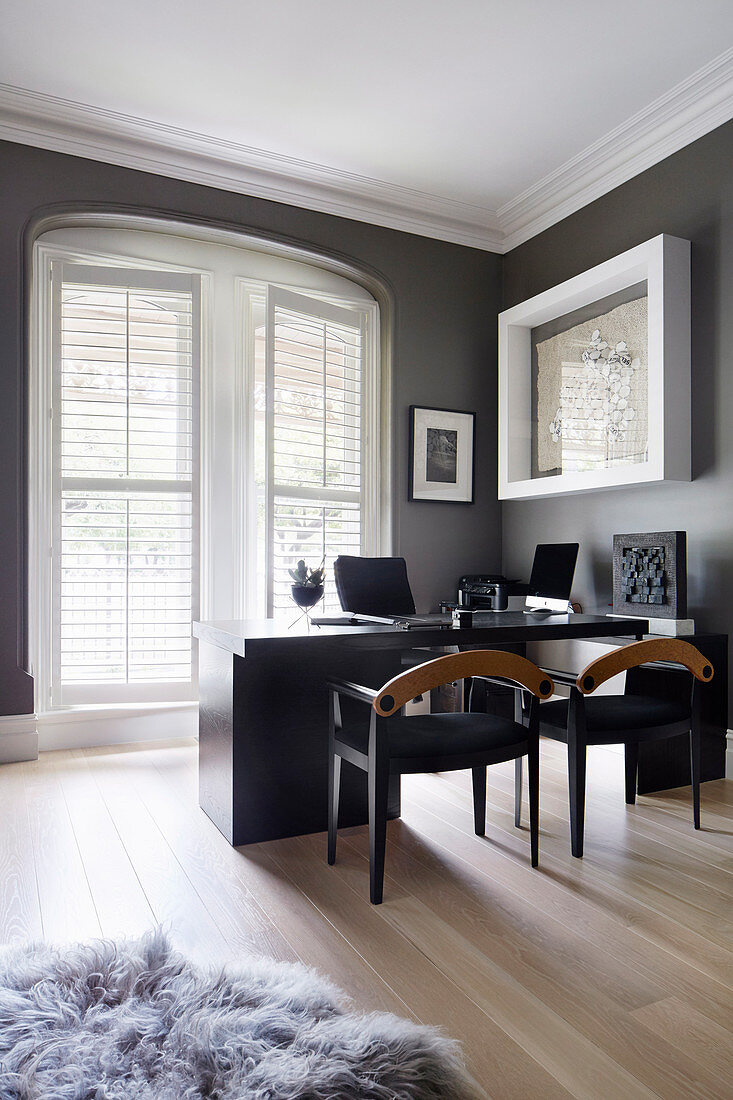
594 378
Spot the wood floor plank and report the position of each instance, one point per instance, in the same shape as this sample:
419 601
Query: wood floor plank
597 978
214 868
705 938
603 780
175 902
606 918
119 899
607 815
20 908
578 1065
318 941
249 886
68 913
529 938
499 1064
614 839
582 987
703 1040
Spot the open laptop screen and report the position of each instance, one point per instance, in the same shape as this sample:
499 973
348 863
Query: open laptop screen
553 569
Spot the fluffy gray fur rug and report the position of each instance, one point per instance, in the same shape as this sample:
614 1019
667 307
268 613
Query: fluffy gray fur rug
136 1021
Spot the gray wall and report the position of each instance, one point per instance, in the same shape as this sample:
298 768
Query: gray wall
444 304
688 195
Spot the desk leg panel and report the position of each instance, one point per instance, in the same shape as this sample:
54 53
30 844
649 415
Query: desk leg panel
216 679
273 740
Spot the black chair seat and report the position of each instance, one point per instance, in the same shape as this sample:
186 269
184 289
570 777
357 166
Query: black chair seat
606 714
440 735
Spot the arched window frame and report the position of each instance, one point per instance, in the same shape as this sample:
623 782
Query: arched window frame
378 506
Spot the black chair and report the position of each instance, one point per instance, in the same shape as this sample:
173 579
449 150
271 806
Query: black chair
373 586
377 586
630 719
387 743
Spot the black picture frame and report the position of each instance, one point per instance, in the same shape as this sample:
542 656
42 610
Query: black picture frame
442 443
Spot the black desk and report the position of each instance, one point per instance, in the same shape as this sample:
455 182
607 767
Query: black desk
263 723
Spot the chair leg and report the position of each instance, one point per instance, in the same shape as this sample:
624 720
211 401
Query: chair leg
479 800
518 791
378 793
533 779
576 782
519 718
631 761
334 788
468 696
695 762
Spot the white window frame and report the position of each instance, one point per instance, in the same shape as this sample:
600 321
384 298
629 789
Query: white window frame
44 482
378 487
251 292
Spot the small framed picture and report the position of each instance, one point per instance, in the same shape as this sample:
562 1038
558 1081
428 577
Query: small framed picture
442 443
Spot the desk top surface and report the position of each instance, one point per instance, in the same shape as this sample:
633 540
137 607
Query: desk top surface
242 635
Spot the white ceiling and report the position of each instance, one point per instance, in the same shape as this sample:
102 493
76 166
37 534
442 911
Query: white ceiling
471 102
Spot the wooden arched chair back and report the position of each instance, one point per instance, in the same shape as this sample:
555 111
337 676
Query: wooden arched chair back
672 650
459 666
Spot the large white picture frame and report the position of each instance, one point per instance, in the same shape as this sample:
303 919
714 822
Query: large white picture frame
664 264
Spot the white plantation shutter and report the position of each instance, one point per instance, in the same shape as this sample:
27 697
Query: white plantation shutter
315 385
125 410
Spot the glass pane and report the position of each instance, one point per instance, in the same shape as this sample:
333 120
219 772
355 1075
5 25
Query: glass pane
126 588
315 531
126 383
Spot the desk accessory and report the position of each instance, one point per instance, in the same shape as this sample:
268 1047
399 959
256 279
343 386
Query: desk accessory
484 591
307 589
545 612
650 578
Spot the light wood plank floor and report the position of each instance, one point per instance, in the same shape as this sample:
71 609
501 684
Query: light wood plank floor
602 978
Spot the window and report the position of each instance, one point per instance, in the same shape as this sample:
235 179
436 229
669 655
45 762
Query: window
124 412
140 519
315 416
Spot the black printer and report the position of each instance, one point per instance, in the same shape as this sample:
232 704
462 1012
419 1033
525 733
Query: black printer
485 592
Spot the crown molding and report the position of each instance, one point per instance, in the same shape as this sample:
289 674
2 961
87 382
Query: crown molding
33 118
688 111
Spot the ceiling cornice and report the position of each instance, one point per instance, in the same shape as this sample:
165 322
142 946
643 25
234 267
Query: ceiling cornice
693 108
688 111
33 118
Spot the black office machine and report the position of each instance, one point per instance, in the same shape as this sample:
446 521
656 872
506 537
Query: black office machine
484 592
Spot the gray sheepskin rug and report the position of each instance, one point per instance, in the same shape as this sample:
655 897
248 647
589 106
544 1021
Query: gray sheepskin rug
135 1020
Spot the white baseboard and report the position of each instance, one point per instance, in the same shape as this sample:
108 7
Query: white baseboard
94 727
18 738
729 755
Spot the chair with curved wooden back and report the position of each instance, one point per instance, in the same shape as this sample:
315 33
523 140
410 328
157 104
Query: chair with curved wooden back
628 719
391 743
